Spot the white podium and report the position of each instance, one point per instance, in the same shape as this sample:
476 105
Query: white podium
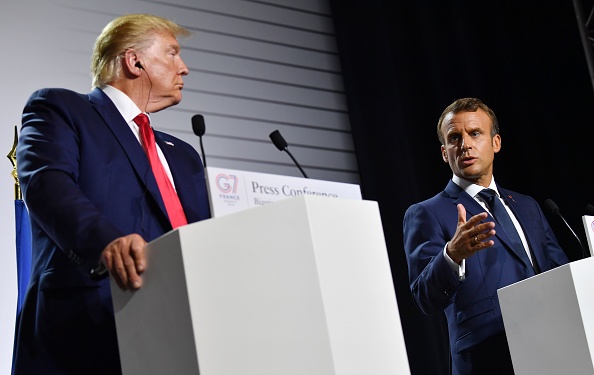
301 286
549 321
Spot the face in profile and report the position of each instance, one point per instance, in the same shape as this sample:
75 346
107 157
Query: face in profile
469 148
164 69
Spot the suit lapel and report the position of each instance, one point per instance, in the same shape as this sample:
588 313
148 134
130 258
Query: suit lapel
184 176
522 219
169 151
114 121
459 196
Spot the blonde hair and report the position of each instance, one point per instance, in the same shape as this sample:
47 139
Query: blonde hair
132 31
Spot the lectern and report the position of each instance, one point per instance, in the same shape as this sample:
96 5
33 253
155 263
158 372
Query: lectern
300 286
549 321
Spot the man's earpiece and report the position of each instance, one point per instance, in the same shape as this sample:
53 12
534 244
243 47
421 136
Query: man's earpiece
139 65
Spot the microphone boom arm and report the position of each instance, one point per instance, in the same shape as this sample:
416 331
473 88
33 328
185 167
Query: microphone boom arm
202 149
295 162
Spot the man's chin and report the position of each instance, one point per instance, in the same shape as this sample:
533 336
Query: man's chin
165 104
176 100
471 177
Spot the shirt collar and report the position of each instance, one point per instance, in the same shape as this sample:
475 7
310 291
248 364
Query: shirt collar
471 188
127 108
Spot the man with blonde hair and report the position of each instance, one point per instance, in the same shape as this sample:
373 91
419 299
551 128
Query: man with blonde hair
100 183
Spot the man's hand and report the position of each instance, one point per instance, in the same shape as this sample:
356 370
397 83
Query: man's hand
124 259
470 236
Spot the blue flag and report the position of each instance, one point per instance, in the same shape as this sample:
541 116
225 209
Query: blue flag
23 249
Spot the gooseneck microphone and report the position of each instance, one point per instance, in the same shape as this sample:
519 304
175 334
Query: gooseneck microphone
554 209
199 129
282 145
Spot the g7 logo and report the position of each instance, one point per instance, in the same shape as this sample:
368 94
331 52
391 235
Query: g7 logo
227 183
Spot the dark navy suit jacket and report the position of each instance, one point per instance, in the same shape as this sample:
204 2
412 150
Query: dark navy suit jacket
86 181
471 306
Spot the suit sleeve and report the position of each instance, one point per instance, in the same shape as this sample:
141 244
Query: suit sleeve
432 282
48 162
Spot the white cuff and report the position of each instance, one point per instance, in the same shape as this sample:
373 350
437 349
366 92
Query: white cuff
459 269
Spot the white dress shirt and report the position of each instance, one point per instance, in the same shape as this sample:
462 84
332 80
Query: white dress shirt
473 190
129 110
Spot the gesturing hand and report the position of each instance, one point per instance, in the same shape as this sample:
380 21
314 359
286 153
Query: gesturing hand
470 236
124 259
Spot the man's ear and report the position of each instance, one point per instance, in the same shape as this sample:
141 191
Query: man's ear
496 143
444 154
131 63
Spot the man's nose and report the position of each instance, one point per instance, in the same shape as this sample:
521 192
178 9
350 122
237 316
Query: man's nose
183 68
466 143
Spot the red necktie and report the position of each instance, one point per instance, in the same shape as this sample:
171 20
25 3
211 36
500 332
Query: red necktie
168 193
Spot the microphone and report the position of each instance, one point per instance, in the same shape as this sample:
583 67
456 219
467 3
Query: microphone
590 210
282 145
554 209
199 129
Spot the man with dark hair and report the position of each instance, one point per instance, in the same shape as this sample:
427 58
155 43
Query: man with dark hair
472 239
99 183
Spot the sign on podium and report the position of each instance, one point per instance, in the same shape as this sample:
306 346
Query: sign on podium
232 190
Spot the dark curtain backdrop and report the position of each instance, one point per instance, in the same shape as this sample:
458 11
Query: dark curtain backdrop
405 61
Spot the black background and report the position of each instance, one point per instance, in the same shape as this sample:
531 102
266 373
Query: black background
405 61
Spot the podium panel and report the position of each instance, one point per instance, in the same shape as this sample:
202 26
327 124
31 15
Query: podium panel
549 321
301 286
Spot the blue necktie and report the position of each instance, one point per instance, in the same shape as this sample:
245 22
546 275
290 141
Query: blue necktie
505 222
